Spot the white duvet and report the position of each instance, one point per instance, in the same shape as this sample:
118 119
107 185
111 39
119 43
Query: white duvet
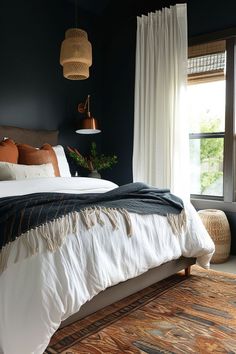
40 291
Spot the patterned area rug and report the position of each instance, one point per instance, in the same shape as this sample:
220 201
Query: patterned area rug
177 315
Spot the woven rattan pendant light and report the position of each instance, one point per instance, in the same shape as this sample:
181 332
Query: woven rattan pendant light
76 53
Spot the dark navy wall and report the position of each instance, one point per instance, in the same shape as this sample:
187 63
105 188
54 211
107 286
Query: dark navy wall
34 94
209 16
33 91
117 119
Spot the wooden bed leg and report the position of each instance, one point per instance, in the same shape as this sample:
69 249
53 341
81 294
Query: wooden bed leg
187 271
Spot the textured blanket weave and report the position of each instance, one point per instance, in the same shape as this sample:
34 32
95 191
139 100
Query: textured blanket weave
53 215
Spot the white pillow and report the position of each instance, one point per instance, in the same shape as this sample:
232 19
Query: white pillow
62 161
12 171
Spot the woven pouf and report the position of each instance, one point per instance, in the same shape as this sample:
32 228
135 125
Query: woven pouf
216 223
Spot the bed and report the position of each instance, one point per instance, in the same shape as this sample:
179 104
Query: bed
92 268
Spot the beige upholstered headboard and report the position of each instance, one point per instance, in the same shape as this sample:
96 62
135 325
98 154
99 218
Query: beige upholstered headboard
29 136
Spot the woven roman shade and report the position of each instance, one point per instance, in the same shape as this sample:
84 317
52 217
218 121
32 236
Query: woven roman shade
207 61
76 54
206 48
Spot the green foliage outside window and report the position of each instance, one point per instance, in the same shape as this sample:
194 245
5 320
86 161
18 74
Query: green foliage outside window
211 154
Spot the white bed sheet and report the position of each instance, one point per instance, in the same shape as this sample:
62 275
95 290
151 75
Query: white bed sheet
55 184
38 292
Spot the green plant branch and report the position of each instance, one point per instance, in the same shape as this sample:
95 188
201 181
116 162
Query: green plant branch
93 161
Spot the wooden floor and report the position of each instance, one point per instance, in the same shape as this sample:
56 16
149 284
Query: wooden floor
228 267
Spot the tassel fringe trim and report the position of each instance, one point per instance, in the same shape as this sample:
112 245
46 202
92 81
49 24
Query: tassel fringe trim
178 222
54 232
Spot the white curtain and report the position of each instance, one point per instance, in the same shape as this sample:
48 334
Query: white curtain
160 151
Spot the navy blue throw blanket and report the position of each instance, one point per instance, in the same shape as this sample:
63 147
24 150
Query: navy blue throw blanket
19 214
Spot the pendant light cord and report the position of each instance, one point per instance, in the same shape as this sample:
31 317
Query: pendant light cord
88 102
76 13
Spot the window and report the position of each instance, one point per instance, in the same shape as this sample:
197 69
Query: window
211 119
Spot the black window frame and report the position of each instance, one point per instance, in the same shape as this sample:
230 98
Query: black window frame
229 36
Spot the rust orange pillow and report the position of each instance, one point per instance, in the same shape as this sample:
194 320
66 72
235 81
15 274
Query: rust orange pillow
29 155
8 151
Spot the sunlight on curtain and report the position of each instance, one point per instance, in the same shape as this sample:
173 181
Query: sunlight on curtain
160 151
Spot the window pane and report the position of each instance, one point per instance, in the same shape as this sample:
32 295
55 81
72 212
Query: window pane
206 107
206 156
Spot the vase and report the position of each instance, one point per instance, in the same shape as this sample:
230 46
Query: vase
94 174
217 225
